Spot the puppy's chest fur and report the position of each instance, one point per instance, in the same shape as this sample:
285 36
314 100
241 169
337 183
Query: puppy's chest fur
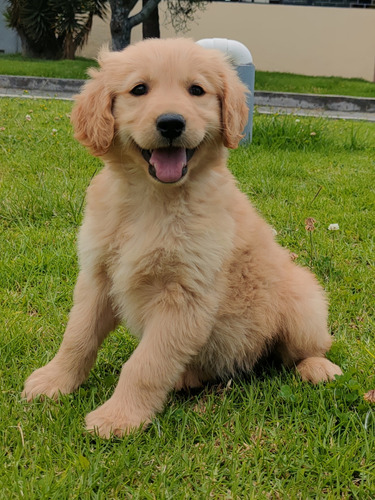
152 245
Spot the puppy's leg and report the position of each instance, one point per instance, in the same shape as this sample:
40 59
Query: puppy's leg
170 339
91 319
306 336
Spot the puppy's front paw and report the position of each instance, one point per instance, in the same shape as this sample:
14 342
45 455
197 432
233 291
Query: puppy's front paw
48 381
112 419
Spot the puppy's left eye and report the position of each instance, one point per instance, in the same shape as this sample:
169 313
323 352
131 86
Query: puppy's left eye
196 90
140 89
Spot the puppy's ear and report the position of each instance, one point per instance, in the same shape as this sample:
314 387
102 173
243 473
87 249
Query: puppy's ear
92 117
234 110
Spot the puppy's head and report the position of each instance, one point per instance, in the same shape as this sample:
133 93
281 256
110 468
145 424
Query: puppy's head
162 102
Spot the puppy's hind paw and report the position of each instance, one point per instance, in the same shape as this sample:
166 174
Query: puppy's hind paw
188 380
317 370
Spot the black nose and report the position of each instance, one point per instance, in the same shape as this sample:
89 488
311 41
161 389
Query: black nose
170 125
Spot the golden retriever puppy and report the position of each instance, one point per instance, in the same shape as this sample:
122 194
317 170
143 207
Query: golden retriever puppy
170 246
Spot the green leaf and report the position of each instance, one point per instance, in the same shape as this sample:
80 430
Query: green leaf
84 463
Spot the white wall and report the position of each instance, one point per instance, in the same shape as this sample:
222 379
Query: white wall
321 41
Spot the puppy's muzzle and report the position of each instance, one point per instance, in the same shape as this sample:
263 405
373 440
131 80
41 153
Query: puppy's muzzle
169 164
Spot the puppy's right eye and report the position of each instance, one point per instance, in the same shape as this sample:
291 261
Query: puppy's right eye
196 90
140 89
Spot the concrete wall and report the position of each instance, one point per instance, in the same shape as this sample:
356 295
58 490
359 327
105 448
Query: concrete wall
307 40
9 40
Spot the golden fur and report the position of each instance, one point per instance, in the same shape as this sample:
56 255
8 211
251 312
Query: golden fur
187 263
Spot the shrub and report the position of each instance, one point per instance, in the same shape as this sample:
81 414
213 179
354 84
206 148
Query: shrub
53 29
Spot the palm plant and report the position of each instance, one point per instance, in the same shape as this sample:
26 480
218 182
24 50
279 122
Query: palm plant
53 29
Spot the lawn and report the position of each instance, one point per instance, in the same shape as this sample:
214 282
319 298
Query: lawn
266 436
264 80
287 82
16 64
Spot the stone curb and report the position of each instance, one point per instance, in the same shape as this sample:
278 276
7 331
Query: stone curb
28 83
334 103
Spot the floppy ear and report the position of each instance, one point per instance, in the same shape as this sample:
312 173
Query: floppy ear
234 110
92 117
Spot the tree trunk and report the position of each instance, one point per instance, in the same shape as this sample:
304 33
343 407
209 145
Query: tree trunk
69 47
120 24
150 26
46 51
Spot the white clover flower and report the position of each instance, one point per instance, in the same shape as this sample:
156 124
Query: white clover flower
298 120
333 227
28 118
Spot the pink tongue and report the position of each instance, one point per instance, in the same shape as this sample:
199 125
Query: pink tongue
168 163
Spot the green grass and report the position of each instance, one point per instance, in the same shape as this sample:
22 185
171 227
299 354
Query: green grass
264 80
19 65
265 436
331 85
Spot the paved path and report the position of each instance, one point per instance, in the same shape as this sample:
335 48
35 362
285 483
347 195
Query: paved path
352 108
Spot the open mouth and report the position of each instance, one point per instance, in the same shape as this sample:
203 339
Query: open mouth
168 165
